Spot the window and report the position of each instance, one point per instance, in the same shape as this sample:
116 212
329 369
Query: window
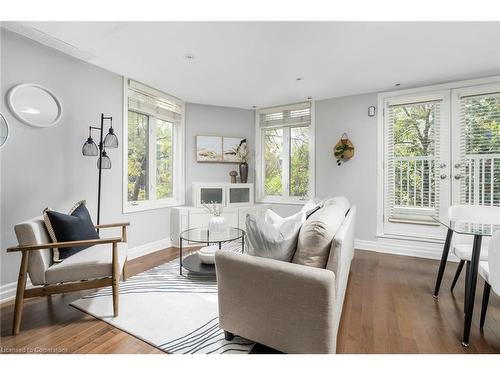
154 134
284 153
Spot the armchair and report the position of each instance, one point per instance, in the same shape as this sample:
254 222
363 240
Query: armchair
91 268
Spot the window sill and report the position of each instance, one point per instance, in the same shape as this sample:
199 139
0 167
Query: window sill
283 200
403 237
147 207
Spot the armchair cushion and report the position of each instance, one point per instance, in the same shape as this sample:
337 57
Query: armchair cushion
91 263
34 232
73 227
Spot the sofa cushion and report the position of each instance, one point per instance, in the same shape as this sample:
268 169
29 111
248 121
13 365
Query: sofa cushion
340 201
310 207
73 227
274 237
91 263
316 235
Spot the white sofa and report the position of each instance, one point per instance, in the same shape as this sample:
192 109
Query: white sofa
289 307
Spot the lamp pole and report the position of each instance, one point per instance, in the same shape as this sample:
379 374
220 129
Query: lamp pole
101 149
101 154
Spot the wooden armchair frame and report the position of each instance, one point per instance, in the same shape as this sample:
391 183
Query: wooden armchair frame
49 289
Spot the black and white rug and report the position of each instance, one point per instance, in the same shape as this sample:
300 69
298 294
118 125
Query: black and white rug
177 314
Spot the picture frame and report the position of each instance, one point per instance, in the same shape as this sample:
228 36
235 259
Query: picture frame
217 149
208 149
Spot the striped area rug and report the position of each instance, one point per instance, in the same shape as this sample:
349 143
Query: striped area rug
177 314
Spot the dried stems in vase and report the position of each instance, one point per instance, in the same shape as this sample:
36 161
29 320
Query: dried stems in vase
213 208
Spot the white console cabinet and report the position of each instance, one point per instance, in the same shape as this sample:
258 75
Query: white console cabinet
187 217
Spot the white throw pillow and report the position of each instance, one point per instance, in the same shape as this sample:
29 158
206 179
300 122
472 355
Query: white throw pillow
274 237
273 218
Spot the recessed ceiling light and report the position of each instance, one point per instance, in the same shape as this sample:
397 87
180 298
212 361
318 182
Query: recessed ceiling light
299 78
189 56
254 106
397 84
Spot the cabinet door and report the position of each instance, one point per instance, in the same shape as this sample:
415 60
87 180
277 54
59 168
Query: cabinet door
231 218
200 218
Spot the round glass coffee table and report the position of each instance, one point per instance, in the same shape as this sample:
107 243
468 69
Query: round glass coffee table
193 262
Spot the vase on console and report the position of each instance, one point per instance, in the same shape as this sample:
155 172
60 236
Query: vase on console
243 173
216 223
242 154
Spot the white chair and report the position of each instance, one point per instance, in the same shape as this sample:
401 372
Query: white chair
490 272
462 244
97 266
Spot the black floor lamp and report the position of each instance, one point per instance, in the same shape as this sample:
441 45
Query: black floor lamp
103 162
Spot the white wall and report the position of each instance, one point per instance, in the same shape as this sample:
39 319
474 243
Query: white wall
213 120
357 178
45 167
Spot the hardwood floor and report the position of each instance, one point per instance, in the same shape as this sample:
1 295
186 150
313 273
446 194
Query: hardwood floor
388 309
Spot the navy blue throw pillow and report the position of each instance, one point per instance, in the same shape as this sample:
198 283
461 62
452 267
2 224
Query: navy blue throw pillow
76 226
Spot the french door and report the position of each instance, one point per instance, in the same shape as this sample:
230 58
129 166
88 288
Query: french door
475 169
440 148
416 163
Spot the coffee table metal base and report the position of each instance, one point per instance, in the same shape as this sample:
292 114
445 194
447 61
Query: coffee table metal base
193 263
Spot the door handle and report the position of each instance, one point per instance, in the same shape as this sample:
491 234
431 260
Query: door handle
442 165
458 177
457 165
443 176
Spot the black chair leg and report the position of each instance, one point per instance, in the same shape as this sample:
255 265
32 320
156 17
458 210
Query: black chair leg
457 274
486 298
442 264
467 270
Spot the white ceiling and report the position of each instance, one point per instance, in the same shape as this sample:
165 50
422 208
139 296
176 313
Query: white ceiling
241 64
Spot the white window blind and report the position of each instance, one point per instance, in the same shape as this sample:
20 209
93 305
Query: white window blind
290 115
411 160
148 101
480 149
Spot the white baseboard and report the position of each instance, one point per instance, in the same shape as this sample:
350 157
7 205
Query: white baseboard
148 248
8 291
428 250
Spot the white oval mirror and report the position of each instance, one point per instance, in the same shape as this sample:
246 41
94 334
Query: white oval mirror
35 105
4 130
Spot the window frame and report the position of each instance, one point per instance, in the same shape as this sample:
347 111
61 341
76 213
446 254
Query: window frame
450 89
178 144
285 198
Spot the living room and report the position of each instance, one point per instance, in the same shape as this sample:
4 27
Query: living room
176 187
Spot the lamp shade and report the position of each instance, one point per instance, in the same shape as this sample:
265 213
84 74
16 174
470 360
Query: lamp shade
111 140
90 148
105 161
